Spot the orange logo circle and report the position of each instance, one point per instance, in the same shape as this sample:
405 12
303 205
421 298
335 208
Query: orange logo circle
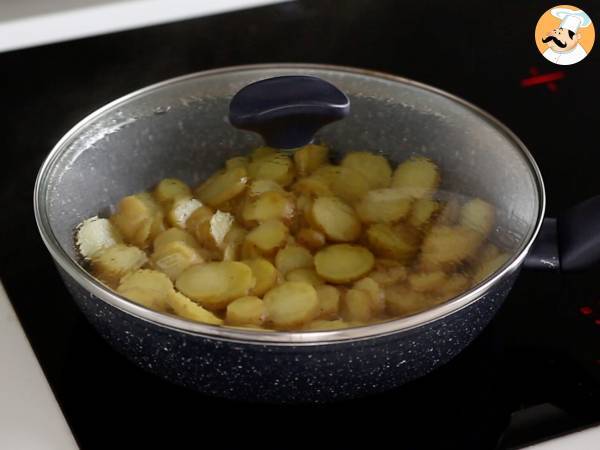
565 35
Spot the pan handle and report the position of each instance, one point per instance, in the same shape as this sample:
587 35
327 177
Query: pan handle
287 111
569 243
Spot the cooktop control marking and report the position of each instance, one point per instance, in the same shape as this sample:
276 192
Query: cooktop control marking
549 79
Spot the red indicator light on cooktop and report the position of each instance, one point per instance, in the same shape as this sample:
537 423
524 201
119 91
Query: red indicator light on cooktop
549 79
586 310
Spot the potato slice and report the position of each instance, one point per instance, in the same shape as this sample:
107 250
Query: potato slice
264 273
313 186
311 238
184 307
449 212
269 206
95 234
488 267
401 301
418 177
384 205
233 243
446 247
478 215
111 264
329 301
262 152
387 275
222 187
236 162
308 275
356 306
376 294
277 167
150 288
423 211
138 218
174 235
343 263
291 305
293 257
174 257
198 223
170 190
335 219
427 281
349 185
322 325
374 168
248 310
309 158
181 210
268 236
453 286
214 285
400 242
220 225
259 187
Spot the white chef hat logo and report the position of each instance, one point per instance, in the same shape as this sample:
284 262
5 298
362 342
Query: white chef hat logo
565 35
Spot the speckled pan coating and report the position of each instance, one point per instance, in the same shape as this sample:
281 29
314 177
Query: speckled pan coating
179 129
290 374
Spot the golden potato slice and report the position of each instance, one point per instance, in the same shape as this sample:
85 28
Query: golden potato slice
308 275
329 301
269 206
264 273
335 219
137 218
236 161
427 281
214 285
174 235
356 306
291 305
449 212
387 275
233 243
277 167
309 158
311 238
400 242
384 205
184 307
488 267
262 152
447 247
222 186
478 215
259 187
349 185
453 286
113 263
423 211
150 288
174 257
374 168
95 234
181 210
198 224
268 237
418 177
343 263
322 325
246 311
401 301
313 186
293 257
376 294
171 189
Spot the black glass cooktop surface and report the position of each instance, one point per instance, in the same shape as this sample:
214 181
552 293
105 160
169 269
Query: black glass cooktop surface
534 372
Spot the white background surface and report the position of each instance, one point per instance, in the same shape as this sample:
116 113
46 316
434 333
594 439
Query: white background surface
30 418
27 23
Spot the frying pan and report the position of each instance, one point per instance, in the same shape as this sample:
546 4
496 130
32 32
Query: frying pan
180 128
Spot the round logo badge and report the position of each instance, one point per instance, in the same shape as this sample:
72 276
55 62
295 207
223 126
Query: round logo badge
565 35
